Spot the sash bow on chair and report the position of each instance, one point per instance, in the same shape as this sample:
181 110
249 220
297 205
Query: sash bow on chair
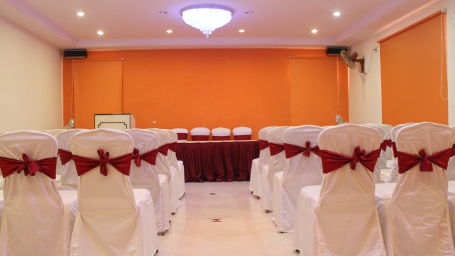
47 166
293 150
65 156
332 161
163 149
275 148
385 144
149 157
121 163
173 146
407 161
263 144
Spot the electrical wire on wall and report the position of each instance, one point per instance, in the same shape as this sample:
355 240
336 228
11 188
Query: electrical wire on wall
442 56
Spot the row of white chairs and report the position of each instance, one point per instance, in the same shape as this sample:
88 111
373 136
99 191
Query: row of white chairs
332 195
128 184
220 133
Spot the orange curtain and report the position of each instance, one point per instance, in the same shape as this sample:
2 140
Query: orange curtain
318 90
413 73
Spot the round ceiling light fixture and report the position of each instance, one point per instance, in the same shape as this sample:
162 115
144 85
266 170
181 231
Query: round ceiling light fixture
207 17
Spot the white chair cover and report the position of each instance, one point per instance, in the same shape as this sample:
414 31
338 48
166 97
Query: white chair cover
254 173
114 219
393 175
415 218
54 133
276 164
263 162
221 131
147 177
343 219
36 221
200 131
164 167
172 158
382 160
300 171
181 131
68 171
451 169
242 131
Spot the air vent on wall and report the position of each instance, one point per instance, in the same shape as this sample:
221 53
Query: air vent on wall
75 53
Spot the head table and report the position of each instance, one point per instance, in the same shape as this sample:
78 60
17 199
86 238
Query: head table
217 160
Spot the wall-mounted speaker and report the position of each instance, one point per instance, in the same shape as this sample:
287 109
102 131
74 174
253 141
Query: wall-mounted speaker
75 53
335 50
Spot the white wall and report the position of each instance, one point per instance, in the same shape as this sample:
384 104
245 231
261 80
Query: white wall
30 81
365 104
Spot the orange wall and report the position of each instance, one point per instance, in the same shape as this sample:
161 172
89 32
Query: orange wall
210 87
413 73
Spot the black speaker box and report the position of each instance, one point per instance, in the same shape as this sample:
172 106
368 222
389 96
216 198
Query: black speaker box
335 50
75 53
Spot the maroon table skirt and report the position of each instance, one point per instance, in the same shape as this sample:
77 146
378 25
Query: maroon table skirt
217 161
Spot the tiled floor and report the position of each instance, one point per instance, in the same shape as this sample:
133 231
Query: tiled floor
220 219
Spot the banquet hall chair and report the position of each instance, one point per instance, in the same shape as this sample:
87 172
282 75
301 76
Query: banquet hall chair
172 158
339 217
37 219
276 164
242 133
255 167
164 167
414 212
200 134
381 163
69 178
54 133
393 175
221 133
114 219
182 133
143 175
451 168
303 169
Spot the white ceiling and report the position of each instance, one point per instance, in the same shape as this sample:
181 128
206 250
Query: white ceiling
139 24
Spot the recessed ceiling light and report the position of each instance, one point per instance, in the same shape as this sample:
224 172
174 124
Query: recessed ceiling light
314 31
80 13
242 30
336 13
100 32
169 31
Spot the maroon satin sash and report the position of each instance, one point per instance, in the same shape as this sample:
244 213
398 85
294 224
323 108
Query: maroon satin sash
394 149
332 161
47 166
385 144
173 146
163 149
292 150
453 150
215 137
200 137
149 157
407 161
182 136
275 148
263 144
242 137
121 163
65 156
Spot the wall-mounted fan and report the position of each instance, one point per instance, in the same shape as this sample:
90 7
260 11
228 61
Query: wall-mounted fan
351 59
